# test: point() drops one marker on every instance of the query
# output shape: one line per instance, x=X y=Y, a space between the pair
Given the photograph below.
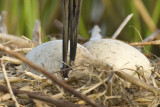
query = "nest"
x=101 y=84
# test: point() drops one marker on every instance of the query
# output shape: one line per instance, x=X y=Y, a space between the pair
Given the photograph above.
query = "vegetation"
x=108 y=14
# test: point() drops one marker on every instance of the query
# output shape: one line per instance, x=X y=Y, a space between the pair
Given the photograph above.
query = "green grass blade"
x=82 y=29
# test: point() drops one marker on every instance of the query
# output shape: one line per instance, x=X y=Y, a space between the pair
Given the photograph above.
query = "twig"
x=39 y=96
x=12 y=80
x=122 y=26
x=95 y=86
x=23 y=50
x=110 y=84
x=137 y=82
x=37 y=37
x=157 y=42
x=58 y=25
x=8 y=84
x=148 y=40
x=32 y=75
x=11 y=60
x=48 y=74
x=22 y=43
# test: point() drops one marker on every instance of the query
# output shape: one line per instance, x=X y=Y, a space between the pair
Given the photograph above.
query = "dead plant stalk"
x=8 y=84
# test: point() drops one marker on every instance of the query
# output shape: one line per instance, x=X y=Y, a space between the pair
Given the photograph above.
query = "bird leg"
x=65 y=15
x=71 y=13
x=75 y=8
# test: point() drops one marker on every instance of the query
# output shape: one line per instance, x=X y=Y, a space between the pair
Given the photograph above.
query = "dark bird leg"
x=71 y=13
x=75 y=8
x=65 y=14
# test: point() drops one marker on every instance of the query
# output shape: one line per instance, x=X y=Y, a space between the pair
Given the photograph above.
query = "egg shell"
x=120 y=55
x=49 y=56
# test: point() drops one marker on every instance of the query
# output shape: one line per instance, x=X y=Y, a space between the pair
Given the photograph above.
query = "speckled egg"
x=119 y=55
x=49 y=56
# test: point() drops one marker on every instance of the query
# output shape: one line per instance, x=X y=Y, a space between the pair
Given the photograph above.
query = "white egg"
x=49 y=56
x=120 y=55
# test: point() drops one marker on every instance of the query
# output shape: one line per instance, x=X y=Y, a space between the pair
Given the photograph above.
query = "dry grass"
x=101 y=84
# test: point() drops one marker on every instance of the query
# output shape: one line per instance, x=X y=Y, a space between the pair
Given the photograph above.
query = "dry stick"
x=48 y=74
x=156 y=42
x=148 y=40
x=137 y=82
x=39 y=96
x=58 y=103
x=11 y=80
x=110 y=84
x=22 y=43
x=122 y=26
x=11 y=60
x=95 y=86
x=23 y=50
x=58 y=25
x=36 y=36
x=8 y=84
x=145 y=15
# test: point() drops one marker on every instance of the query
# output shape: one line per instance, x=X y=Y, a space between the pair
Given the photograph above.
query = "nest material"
x=101 y=84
